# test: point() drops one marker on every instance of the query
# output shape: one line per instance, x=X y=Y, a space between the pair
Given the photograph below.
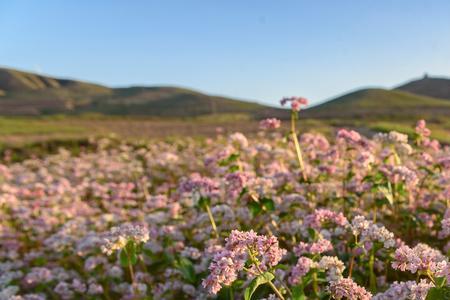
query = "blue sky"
x=257 y=50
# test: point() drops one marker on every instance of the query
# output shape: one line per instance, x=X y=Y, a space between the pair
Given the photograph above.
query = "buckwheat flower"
x=421 y=128
x=322 y=245
x=420 y=258
x=78 y=286
x=93 y=262
x=29 y=297
x=8 y=292
x=7 y=277
x=350 y=136
x=199 y=186
x=393 y=137
x=115 y=272
x=234 y=183
x=370 y=232
x=441 y=269
x=304 y=264
x=63 y=290
x=365 y=159
x=231 y=259
x=137 y=289
x=396 y=291
x=397 y=137
x=38 y=275
x=333 y=265
x=419 y=290
x=359 y=225
x=406 y=149
x=191 y=252
x=118 y=237
x=444 y=161
x=239 y=140
x=95 y=289
x=402 y=173
x=445 y=224
x=320 y=217
x=189 y=289
x=346 y=288
x=270 y=123
x=432 y=144
x=296 y=102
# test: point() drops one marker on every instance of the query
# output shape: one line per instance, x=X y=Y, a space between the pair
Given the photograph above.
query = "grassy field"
x=30 y=132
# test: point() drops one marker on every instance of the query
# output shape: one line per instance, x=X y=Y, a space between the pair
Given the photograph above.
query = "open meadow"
x=275 y=215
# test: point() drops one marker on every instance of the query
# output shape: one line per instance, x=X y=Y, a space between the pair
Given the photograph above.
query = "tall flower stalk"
x=296 y=104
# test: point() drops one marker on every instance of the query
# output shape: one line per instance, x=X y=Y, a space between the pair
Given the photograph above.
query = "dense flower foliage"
x=231 y=217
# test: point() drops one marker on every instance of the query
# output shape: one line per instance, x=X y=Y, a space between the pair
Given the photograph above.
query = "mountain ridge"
x=437 y=87
x=25 y=93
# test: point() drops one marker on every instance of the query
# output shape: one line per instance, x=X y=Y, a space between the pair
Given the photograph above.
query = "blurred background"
x=70 y=70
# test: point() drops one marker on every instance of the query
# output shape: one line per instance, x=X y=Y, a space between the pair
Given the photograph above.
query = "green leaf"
x=225 y=293
x=436 y=293
x=203 y=202
x=255 y=208
x=298 y=293
x=387 y=193
x=187 y=269
x=261 y=279
x=268 y=204
x=440 y=281
x=128 y=255
x=227 y=161
x=233 y=168
x=312 y=233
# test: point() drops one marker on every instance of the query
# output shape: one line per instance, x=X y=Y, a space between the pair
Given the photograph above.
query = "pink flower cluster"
x=318 y=247
x=407 y=290
x=350 y=136
x=239 y=248
x=420 y=258
x=304 y=264
x=322 y=217
x=270 y=123
x=421 y=129
x=346 y=288
x=199 y=186
x=296 y=102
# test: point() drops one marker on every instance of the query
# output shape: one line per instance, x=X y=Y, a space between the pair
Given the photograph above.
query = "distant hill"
x=24 y=93
x=428 y=86
x=380 y=104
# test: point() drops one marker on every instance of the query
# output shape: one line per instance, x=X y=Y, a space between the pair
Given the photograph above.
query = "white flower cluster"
x=118 y=237
x=333 y=266
x=370 y=232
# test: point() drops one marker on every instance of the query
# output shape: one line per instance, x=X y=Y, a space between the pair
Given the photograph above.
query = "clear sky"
x=257 y=50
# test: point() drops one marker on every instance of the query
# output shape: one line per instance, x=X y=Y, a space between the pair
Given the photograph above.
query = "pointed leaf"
x=256 y=282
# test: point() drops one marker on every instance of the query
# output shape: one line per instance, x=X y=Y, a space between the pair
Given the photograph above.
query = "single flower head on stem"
x=296 y=102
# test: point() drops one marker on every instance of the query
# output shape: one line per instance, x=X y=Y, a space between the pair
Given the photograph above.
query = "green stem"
x=130 y=269
x=211 y=219
x=315 y=283
x=372 y=279
x=272 y=286
x=297 y=146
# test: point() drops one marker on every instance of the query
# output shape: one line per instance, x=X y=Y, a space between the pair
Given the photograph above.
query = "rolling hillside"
x=428 y=86
x=23 y=93
x=381 y=104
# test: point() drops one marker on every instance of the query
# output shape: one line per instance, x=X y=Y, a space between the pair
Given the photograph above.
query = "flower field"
x=280 y=215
